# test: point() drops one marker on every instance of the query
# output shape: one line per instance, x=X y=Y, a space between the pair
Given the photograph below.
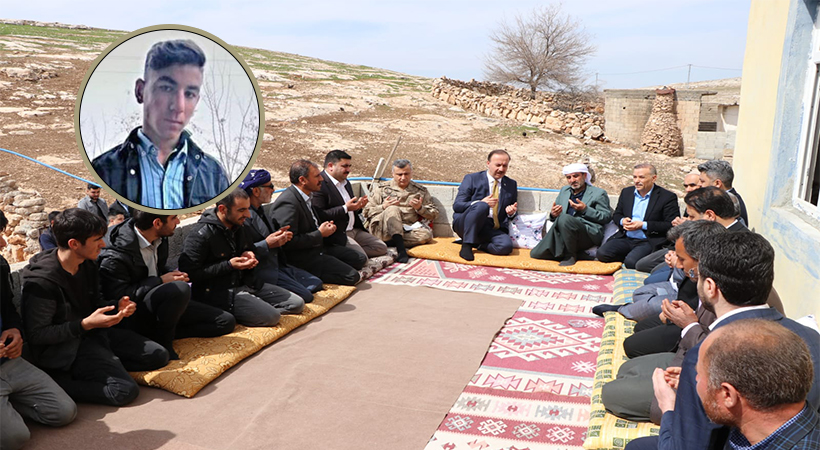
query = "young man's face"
x=168 y=227
x=169 y=98
x=90 y=249
x=313 y=181
x=240 y=211
x=339 y=170
x=93 y=194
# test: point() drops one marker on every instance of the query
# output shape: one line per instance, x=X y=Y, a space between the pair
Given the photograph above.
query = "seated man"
x=268 y=238
x=762 y=403
x=644 y=214
x=92 y=202
x=218 y=258
x=25 y=391
x=648 y=263
x=336 y=264
x=580 y=213
x=709 y=203
x=485 y=204
x=720 y=174
x=134 y=265
x=47 y=237
x=334 y=201
x=158 y=165
x=115 y=218
x=400 y=211
x=630 y=394
x=735 y=278
x=70 y=329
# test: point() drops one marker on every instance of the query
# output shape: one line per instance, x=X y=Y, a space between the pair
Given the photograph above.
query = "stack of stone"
x=661 y=133
x=506 y=102
x=24 y=210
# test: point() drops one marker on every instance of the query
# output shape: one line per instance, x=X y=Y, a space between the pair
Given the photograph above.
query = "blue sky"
x=443 y=37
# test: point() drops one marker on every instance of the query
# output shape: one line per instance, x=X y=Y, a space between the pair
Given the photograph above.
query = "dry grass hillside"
x=311 y=107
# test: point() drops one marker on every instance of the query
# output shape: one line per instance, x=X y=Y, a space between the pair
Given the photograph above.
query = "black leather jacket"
x=119 y=168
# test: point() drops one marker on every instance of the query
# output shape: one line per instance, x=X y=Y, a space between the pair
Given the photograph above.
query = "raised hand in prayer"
x=663 y=392
x=279 y=237
x=671 y=258
x=327 y=228
x=672 y=376
x=579 y=206
x=512 y=209
x=415 y=202
x=174 y=275
x=390 y=201
x=556 y=210
x=11 y=343
x=679 y=313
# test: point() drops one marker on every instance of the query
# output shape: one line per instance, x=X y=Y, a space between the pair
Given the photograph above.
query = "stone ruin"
x=507 y=102
x=25 y=211
x=661 y=133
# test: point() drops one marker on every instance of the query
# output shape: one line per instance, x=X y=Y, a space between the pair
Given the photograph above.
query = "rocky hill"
x=311 y=107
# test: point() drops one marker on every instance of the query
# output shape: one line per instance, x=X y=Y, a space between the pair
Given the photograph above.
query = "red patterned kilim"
x=557 y=292
x=532 y=389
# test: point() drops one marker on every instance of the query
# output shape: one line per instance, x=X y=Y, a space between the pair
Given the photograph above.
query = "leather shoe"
x=599 y=310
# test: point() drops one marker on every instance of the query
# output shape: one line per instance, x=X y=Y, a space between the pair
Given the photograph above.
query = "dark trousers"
x=264 y=306
x=624 y=249
x=643 y=443
x=166 y=313
x=649 y=262
x=661 y=272
x=565 y=239
x=99 y=373
x=336 y=265
x=652 y=336
x=474 y=227
x=300 y=282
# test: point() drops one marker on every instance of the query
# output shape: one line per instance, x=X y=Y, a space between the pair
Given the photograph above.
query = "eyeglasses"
x=269 y=186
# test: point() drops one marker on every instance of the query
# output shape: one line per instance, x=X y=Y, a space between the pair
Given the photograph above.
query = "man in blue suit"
x=485 y=204
x=736 y=271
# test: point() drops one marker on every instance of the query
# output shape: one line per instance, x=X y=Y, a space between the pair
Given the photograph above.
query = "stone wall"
x=24 y=210
x=506 y=102
x=627 y=111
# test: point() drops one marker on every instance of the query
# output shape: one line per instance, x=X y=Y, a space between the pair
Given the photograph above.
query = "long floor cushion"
x=607 y=431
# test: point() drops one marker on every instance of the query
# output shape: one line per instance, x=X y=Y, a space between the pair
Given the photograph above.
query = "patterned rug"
x=541 y=291
x=532 y=390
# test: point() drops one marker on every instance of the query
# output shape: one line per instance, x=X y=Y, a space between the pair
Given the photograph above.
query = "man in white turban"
x=580 y=213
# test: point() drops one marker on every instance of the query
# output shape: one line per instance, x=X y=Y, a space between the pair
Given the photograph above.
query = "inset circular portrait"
x=168 y=118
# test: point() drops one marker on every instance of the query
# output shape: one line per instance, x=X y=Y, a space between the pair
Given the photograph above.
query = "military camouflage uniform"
x=384 y=223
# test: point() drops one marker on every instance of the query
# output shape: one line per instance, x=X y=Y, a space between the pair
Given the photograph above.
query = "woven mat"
x=443 y=249
x=202 y=360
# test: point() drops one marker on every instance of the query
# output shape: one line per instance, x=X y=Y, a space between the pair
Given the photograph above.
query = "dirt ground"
x=311 y=107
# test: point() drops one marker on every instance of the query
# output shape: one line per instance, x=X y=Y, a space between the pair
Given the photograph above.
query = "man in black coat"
x=307 y=249
x=69 y=325
x=218 y=257
x=644 y=214
x=135 y=265
x=335 y=201
x=268 y=238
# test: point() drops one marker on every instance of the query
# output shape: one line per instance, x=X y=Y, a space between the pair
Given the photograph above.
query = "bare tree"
x=234 y=119
x=546 y=48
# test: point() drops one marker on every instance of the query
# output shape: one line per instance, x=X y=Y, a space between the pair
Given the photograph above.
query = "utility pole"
x=596 y=80
x=688 y=74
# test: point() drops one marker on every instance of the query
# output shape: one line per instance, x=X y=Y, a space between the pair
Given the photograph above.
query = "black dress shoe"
x=601 y=309
x=458 y=242
x=568 y=262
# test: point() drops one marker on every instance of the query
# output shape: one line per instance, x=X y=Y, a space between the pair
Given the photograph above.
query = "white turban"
x=576 y=168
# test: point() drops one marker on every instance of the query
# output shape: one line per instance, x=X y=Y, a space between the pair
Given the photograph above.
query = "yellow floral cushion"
x=202 y=360
x=607 y=431
x=443 y=249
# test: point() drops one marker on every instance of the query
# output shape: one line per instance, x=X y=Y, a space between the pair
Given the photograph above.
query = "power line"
x=717 y=68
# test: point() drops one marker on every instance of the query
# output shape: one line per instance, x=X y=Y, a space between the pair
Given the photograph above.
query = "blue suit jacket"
x=687 y=427
x=475 y=187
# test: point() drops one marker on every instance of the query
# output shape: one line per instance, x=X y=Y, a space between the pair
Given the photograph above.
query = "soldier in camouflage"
x=401 y=211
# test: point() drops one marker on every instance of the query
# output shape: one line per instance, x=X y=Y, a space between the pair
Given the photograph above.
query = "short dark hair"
x=767 y=363
x=51 y=216
x=229 y=200
x=710 y=197
x=91 y=186
x=179 y=51
x=335 y=156
x=145 y=220
x=498 y=152
x=402 y=163
x=696 y=234
x=79 y=224
x=3 y=221
x=676 y=232
x=718 y=169
x=652 y=169
x=741 y=265
x=299 y=169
